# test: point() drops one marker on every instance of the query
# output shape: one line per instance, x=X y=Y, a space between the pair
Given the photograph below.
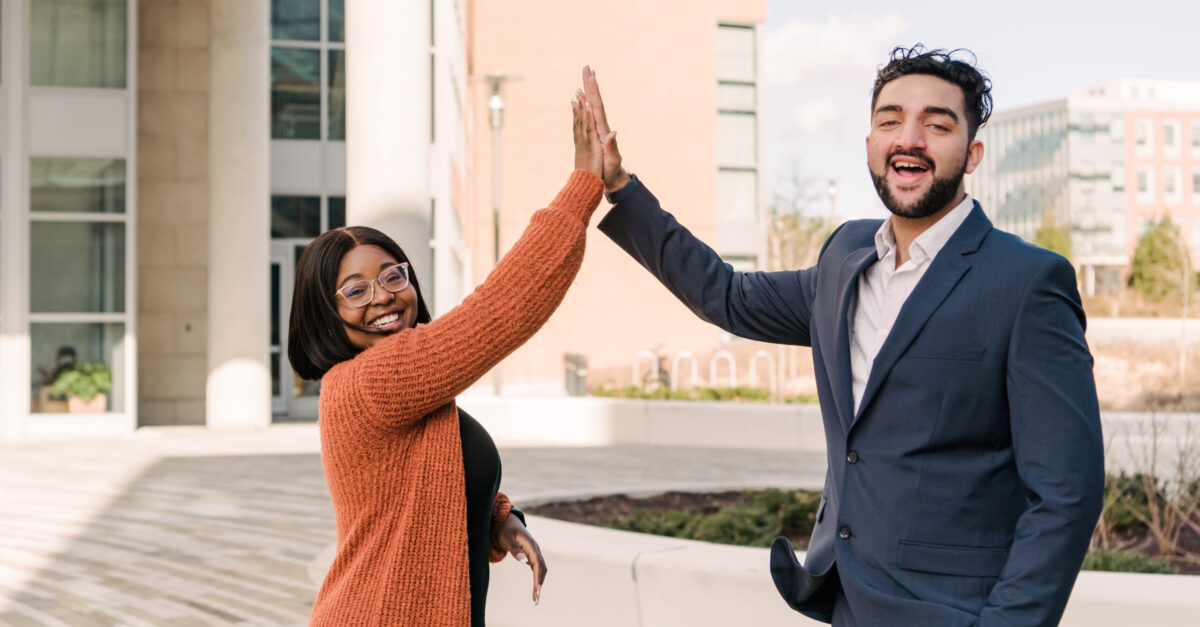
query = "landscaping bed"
x=755 y=518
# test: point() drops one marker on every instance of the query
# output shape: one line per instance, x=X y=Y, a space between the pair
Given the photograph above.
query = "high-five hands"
x=589 y=153
x=615 y=177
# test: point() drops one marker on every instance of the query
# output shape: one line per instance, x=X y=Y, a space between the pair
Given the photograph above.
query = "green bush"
x=1126 y=562
x=1127 y=502
x=675 y=523
x=771 y=513
x=84 y=381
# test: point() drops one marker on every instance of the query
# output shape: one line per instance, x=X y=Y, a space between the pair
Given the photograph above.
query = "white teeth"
x=385 y=320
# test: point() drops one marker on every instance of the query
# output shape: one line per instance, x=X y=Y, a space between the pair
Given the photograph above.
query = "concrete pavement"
x=185 y=526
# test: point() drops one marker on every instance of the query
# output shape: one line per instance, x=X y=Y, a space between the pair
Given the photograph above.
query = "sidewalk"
x=184 y=526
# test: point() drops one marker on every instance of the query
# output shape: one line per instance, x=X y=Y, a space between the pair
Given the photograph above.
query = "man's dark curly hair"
x=975 y=85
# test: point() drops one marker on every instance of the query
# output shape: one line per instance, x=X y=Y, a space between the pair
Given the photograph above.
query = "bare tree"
x=797 y=228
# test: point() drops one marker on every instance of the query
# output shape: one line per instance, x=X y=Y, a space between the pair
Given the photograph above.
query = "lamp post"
x=496 y=82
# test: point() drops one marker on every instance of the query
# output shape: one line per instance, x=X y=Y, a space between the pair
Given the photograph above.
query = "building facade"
x=164 y=161
x=1104 y=163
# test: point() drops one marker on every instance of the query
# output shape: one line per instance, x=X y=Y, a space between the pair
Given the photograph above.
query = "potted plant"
x=86 y=387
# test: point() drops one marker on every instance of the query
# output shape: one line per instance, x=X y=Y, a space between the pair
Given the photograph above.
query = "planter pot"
x=97 y=405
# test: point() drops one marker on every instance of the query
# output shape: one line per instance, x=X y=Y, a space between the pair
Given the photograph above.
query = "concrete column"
x=238 y=391
x=388 y=103
x=14 y=246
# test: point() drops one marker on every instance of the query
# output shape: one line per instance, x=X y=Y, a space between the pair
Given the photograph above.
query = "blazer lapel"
x=945 y=271
x=843 y=389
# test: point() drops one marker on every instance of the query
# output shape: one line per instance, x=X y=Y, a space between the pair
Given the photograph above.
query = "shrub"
x=1126 y=562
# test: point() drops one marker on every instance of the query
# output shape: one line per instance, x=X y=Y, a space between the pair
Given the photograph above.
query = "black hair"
x=975 y=84
x=317 y=340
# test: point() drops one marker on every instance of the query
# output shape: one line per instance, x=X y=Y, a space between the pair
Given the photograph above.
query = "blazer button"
x=844 y=532
x=852 y=457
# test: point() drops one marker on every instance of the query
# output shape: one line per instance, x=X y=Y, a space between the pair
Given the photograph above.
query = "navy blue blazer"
x=966 y=487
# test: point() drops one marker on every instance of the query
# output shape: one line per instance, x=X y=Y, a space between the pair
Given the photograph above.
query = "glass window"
x=337 y=95
x=77 y=44
x=735 y=53
x=337 y=212
x=1171 y=136
x=1196 y=139
x=1145 y=137
x=337 y=20
x=295 y=93
x=1196 y=185
x=86 y=359
x=295 y=216
x=77 y=267
x=736 y=97
x=737 y=144
x=296 y=20
x=1171 y=181
x=737 y=196
x=82 y=185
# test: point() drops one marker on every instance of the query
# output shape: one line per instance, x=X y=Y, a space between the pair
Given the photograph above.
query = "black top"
x=481 y=472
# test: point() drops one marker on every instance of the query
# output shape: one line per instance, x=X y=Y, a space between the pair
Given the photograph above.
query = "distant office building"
x=162 y=164
x=1104 y=162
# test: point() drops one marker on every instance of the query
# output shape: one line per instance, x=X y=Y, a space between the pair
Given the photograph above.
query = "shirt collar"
x=927 y=245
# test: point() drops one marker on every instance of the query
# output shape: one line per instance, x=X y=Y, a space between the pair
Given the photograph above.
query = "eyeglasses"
x=360 y=293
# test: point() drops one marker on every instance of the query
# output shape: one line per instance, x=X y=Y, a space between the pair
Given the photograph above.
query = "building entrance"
x=292 y=398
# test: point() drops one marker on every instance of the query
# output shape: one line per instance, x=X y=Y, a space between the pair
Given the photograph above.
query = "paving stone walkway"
x=184 y=526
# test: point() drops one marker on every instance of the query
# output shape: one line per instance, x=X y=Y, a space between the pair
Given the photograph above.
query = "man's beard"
x=941 y=192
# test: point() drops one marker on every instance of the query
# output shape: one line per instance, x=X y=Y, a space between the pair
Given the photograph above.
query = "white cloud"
x=818 y=115
x=834 y=52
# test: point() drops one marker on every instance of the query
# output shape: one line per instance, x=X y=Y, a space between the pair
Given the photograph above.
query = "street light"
x=496 y=82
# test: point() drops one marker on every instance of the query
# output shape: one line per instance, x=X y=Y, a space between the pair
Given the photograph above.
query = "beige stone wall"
x=172 y=227
x=656 y=63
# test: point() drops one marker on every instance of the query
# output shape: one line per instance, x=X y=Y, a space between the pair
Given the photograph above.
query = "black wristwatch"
x=619 y=195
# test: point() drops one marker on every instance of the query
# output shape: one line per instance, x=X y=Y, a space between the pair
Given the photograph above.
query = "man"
x=962 y=428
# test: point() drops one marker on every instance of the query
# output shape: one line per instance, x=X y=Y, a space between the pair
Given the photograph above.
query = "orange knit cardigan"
x=389 y=432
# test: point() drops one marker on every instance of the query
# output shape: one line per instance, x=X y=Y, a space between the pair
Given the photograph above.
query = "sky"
x=820 y=58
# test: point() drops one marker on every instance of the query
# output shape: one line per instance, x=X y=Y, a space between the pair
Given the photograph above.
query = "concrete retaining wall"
x=599 y=577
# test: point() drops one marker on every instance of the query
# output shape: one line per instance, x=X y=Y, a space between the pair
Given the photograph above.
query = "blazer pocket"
x=970 y=561
x=953 y=353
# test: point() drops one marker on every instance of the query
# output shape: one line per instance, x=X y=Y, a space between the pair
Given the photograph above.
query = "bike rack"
x=722 y=355
x=645 y=354
x=695 y=378
x=771 y=374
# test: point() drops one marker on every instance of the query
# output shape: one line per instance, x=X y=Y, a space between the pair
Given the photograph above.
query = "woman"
x=413 y=479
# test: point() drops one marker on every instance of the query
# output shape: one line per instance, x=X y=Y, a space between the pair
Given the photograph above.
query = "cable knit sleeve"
x=500 y=510
x=407 y=375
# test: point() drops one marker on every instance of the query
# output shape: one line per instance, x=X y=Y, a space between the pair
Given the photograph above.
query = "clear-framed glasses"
x=360 y=293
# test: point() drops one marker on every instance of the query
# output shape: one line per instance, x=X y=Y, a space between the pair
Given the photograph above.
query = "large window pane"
x=295 y=216
x=298 y=20
x=337 y=211
x=337 y=94
x=735 y=97
x=735 y=53
x=77 y=43
x=77 y=267
x=737 y=140
x=295 y=93
x=337 y=20
x=87 y=359
x=737 y=196
x=84 y=185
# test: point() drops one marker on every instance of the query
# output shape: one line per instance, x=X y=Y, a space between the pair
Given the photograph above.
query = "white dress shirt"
x=883 y=288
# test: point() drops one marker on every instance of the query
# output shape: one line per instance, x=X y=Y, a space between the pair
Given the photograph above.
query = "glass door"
x=292 y=398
